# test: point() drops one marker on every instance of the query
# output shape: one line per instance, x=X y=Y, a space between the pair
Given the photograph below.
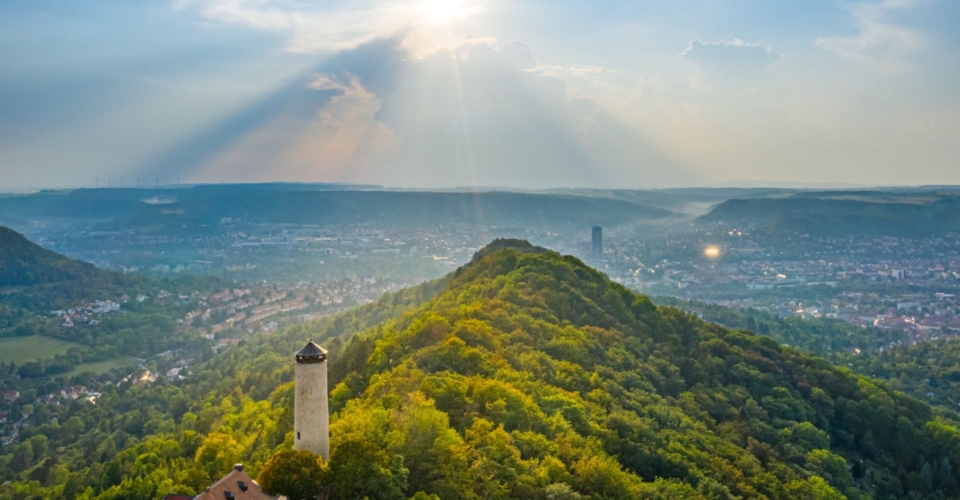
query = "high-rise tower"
x=597 y=242
x=311 y=415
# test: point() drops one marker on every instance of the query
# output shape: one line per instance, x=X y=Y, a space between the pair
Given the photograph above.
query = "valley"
x=549 y=359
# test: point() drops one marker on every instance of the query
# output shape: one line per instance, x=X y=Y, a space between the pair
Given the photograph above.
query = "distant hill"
x=108 y=203
x=401 y=209
x=840 y=213
x=523 y=375
x=207 y=205
x=23 y=263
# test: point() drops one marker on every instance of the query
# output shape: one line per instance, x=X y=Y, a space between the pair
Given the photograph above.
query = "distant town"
x=896 y=283
x=892 y=283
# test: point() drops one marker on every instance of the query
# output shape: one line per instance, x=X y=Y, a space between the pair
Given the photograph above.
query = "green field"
x=23 y=349
x=102 y=366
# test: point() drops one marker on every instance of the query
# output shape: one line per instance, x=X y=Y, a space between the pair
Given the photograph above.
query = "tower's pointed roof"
x=311 y=350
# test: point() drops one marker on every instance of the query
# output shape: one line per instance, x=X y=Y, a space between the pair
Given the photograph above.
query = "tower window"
x=298 y=435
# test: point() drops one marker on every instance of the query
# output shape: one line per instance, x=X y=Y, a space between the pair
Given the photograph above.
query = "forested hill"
x=34 y=281
x=525 y=374
x=201 y=207
x=839 y=214
x=23 y=263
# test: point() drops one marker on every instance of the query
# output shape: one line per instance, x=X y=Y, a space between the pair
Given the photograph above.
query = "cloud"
x=485 y=113
x=734 y=65
x=393 y=104
x=323 y=144
x=311 y=27
x=880 y=42
x=747 y=56
x=517 y=54
x=477 y=112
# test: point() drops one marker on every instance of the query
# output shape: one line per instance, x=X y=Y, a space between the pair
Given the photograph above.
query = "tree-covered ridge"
x=35 y=281
x=841 y=214
x=541 y=348
x=202 y=206
x=23 y=263
x=524 y=375
x=928 y=370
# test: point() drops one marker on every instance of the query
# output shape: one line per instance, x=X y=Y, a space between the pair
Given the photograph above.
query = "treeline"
x=61 y=363
x=841 y=214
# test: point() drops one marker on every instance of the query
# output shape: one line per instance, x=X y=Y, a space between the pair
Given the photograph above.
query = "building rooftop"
x=236 y=485
x=311 y=353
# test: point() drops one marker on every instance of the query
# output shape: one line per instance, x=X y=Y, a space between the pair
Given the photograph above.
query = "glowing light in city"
x=712 y=251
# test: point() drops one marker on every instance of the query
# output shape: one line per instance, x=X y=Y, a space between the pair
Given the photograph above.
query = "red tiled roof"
x=233 y=483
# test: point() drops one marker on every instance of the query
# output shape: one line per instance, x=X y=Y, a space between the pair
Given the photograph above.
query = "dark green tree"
x=297 y=475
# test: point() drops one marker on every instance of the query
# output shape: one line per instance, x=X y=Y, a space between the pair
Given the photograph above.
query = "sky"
x=432 y=93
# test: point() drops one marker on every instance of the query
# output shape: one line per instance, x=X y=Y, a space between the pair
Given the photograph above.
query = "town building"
x=597 y=242
x=236 y=485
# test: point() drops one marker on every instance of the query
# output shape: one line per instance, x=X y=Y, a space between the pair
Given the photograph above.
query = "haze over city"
x=528 y=94
x=480 y=249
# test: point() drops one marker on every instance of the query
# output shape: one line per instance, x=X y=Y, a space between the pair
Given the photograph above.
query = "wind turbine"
x=121 y=182
x=98 y=183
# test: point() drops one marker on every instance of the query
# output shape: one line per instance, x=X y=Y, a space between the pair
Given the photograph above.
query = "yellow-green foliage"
x=527 y=375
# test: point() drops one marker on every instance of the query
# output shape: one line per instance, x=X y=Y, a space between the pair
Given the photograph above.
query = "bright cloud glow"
x=441 y=11
x=530 y=93
x=335 y=26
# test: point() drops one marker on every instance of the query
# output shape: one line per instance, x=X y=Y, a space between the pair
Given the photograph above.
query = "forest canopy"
x=525 y=374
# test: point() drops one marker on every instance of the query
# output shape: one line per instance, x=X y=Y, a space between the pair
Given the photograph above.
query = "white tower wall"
x=311 y=424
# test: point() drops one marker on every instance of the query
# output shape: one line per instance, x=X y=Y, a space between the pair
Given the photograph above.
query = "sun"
x=441 y=11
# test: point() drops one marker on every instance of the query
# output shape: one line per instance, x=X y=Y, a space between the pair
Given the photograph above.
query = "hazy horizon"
x=745 y=184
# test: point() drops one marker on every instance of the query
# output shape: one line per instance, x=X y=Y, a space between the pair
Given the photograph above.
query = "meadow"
x=23 y=349
x=99 y=367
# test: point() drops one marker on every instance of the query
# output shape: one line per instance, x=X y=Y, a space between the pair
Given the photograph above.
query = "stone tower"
x=311 y=424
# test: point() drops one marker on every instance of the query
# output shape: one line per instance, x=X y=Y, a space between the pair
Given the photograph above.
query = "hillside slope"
x=525 y=374
x=35 y=281
x=846 y=213
x=23 y=263
x=549 y=363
